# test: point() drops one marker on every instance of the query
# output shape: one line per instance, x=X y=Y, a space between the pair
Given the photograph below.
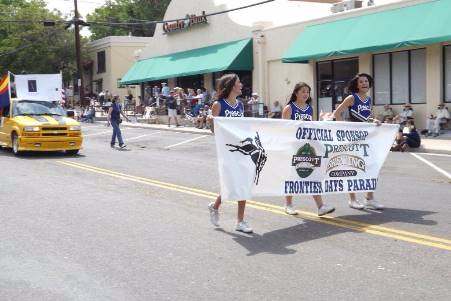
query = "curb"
x=423 y=149
x=174 y=129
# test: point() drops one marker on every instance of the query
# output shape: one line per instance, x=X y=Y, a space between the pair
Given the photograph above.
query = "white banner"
x=39 y=86
x=274 y=157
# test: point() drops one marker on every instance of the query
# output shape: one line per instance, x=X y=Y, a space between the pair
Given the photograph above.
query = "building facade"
x=409 y=59
x=109 y=59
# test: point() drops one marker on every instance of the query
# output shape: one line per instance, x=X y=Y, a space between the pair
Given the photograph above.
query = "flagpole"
x=9 y=86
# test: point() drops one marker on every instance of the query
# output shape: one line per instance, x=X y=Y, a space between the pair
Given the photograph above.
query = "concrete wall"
x=281 y=77
x=120 y=55
x=220 y=29
x=272 y=79
x=434 y=83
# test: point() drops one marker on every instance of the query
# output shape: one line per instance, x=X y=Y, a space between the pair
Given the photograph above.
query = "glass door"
x=332 y=79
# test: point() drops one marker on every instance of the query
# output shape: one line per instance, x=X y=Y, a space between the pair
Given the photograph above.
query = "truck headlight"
x=31 y=129
x=75 y=128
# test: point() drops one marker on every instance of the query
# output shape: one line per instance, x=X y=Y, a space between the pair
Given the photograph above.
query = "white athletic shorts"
x=172 y=112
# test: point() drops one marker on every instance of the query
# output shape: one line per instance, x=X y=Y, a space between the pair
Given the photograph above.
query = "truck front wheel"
x=72 y=152
x=15 y=144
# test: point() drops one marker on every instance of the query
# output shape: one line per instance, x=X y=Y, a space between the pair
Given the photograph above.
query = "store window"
x=418 y=76
x=447 y=72
x=400 y=77
x=194 y=82
x=382 y=78
x=99 y=85
x=245 y=78
x=101 y=68
x=332 y=79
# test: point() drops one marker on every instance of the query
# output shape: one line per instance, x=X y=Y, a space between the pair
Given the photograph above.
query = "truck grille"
x=54 y=128
x=53 y=134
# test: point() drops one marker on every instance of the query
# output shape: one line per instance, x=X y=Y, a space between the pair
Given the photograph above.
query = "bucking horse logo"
x=256 y=151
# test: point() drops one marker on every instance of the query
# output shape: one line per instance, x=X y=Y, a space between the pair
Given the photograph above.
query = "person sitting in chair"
x=89 y=114
x=433 y=122
x=406 y=114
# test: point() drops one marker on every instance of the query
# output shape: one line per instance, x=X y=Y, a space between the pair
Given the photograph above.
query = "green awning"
x=235 y=55
x=416 y=25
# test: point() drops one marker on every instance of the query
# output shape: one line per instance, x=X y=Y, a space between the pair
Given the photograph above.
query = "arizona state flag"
x=4 y=91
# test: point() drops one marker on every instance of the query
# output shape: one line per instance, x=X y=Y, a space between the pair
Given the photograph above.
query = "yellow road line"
x=363 y=225
x=335 y=221
x=110 y=172
x=305 y=213
x=134 y=179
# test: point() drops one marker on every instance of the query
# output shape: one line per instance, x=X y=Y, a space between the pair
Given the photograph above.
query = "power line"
x=48 y=34
x=141 y=22
x=180 y=19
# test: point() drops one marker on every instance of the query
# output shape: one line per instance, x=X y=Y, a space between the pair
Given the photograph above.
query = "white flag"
x=273 y=157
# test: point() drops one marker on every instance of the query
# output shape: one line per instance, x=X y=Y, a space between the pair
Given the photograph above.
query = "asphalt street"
x=133 y=224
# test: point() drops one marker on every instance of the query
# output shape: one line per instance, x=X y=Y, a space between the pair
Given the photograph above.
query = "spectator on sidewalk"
x=101 y=97
x=433 y=122
x=199 y=97
x=205 y=97
x=253 y=102
x=108 y=95
x=387 y=113
x=171 y=104
x=88 y=115
x=165 y=91
x=276 y=110
x=407 y=138
x=155 y=91
x=191 y=100
x=201 y=119
x=406 y=114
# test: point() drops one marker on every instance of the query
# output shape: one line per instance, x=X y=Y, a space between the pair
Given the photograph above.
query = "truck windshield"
x=36 y=107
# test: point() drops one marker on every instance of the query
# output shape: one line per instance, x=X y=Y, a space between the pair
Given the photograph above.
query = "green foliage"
x=31 y=47
x=127 y=11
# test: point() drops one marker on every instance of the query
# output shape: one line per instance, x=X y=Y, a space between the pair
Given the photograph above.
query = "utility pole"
x=81 y=90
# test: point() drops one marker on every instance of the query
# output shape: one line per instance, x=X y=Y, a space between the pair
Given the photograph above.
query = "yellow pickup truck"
x=38 y=125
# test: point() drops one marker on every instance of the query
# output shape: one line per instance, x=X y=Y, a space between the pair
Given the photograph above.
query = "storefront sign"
x=185 y=24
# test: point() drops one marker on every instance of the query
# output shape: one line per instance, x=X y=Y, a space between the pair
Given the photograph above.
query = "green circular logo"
x=304 y=166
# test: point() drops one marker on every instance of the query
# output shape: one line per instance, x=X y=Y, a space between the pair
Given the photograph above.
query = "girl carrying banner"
x=359 y=106
x=298 y=108
x=228 y=89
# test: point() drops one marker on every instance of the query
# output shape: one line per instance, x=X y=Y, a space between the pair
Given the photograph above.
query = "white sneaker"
x=214 y=214
x=356 y=205
x=325 y=209
x=243 y=227
x=373 y=204
x=290 y=210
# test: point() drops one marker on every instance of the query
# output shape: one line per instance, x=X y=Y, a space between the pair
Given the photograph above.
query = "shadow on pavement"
x=38 y=155
x=279 y=241
x=408 y=216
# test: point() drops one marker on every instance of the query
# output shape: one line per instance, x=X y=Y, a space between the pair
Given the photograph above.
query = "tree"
x=31 y=47
x=127 y=11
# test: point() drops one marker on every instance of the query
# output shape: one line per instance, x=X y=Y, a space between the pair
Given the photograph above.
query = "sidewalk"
x=441 y=144
x=164 y=127
x=435 y=145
